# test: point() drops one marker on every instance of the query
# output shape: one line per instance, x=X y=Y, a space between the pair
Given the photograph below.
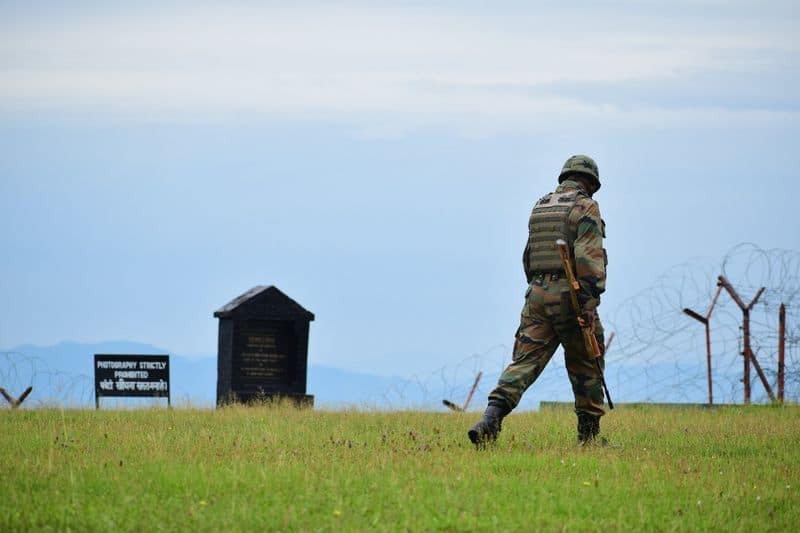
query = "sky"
x=375 y=161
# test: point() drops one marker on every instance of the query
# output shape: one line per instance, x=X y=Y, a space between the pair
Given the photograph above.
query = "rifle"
x=589 y=340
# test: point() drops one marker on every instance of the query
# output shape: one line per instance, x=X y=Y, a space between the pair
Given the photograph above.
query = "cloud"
x=396 y=67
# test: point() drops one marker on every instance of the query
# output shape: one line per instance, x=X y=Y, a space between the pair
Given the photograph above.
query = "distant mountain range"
x=63 y=375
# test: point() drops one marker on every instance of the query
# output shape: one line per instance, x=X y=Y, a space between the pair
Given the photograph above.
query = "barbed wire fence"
x=654 y=331
x=20 y=370
x=658 y=353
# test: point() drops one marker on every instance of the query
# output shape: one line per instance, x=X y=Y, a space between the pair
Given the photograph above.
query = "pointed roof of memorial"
x=264 y=301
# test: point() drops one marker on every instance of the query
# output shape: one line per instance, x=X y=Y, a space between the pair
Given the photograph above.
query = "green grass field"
x=278 y=468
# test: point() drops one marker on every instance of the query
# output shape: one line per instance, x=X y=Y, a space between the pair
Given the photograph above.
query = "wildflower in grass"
x=337 y=513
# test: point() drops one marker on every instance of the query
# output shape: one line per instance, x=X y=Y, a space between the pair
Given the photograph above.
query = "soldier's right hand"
x=586 y=318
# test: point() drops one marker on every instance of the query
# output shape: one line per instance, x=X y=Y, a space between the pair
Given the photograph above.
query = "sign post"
x=131 y=376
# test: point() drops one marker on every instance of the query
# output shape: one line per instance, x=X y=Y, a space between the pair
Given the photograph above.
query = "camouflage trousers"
x=548 y=321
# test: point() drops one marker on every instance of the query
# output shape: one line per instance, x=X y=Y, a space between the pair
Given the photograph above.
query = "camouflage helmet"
x=582 y=164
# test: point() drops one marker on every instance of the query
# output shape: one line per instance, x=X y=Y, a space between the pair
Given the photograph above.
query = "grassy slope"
x=279 y=468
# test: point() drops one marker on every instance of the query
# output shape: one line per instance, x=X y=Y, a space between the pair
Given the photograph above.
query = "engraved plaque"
x=263 y=352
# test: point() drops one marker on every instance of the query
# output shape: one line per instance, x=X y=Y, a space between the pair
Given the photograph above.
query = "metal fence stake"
x=705 y=320
x=15 y=403
x=747 y=351
x=781 y=350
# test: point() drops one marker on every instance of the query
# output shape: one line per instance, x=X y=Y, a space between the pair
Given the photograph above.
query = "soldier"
x=547 y=318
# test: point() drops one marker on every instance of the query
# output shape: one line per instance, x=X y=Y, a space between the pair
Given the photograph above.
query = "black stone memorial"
x=263 y=348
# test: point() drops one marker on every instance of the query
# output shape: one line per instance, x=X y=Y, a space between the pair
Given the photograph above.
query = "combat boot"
x=487 y=428
x=588 y=428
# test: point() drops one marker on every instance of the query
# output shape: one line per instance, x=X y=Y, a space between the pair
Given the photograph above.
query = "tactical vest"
x=549 y=222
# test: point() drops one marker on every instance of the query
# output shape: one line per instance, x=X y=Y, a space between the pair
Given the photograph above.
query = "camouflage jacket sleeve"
x=589 y=254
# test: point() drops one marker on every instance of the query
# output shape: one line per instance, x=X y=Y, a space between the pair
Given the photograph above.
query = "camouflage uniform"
x=548 y=319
